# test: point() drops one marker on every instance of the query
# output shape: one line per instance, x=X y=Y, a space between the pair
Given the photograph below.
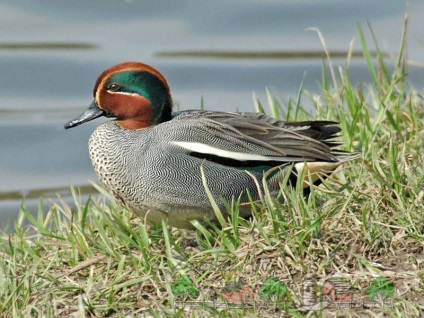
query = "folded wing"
x=250 y=139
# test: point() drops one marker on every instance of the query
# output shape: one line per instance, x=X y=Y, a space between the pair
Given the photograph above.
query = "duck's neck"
x=166 y=111
x=146 y=119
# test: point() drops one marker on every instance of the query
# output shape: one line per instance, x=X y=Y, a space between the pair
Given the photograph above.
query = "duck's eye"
x=113 y=87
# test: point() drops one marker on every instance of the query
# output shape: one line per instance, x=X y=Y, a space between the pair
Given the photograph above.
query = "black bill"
x=92 y=112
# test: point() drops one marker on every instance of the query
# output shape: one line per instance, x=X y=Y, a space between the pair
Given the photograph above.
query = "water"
x=51 y=53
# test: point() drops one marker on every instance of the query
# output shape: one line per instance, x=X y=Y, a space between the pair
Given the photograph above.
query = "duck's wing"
x=255 y=139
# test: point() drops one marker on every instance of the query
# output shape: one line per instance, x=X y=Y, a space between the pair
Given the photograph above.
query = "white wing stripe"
x=202 y=148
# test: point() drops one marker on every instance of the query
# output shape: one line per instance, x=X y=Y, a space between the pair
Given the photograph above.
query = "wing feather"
x=254 y=138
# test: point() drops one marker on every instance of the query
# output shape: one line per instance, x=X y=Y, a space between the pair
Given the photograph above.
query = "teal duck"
x=154 y=161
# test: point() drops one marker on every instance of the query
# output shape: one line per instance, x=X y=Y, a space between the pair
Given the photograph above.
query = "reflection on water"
x=291 y=55
x=52 y=53
x=46 y=46
x=36 y=194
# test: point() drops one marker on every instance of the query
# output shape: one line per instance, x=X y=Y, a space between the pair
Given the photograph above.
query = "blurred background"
x=51 y=53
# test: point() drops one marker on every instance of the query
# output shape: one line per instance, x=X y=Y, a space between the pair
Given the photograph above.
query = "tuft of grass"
x=366 y=223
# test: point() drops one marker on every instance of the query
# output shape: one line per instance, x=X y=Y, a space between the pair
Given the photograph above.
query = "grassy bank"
x=357 y=241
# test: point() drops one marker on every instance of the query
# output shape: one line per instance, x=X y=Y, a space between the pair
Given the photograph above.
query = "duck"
x=164 y=164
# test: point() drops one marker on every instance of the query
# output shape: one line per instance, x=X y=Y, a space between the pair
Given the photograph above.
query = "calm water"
x=51 y=52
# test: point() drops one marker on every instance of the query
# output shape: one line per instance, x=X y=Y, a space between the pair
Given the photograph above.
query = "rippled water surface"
x=51 y=52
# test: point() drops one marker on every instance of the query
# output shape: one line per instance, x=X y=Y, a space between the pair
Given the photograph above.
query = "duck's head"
x=135 y=94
